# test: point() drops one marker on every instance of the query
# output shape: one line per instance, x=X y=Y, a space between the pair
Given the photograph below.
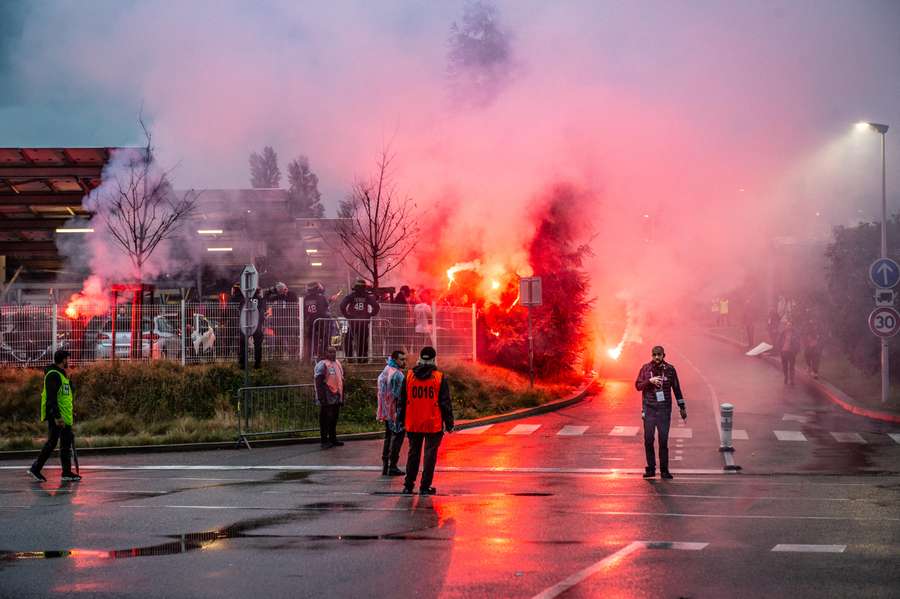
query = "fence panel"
x=205 y=332
x=281 y=409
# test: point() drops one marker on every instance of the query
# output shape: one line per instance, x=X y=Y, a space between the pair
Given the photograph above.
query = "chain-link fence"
x=203 y=332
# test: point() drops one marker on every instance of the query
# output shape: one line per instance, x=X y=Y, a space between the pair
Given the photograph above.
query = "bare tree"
x=140 y=208
x=380 y=227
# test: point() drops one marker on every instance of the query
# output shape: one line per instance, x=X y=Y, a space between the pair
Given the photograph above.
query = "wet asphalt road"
x=547 y=506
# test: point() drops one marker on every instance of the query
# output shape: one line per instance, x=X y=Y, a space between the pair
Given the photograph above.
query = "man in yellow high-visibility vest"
x=57 y=400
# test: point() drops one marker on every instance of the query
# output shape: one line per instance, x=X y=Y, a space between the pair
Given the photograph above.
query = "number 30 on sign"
x=884 y=322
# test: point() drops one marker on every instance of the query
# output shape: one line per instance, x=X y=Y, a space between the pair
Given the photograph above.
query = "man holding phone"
x=657 y=381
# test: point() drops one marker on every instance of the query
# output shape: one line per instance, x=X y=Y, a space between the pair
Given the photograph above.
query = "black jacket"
x=54 y=382
x=422 y=372
x=648 y=390
x=359 y=304
x=273 y=297
x=315 y=305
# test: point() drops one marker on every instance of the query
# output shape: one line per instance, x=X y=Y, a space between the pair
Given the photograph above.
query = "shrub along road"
x=542 y=507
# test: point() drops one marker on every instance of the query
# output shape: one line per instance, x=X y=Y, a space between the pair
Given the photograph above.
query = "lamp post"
x=885 y=357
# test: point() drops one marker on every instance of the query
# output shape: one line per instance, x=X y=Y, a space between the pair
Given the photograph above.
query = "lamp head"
x=879 y=127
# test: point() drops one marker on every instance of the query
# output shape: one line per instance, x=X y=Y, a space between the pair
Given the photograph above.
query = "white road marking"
x=713 y=396
x=789 y=436
x=610 y=561
x=571 y=430
x=739 y=434
x=623 y=431
x=677 y=458
x=795 y=418
x=681 y=433
x=523 y=429
x=848 y=437
x=810 y=548
x=895 y=437
x=679 y=451
x=737 y=516
x=475 y=430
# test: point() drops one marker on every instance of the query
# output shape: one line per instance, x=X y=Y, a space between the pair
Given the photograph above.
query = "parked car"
x=159 y=339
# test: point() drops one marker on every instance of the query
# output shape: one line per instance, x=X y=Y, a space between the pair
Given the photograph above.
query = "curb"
x=822 y=388
x=576 y=397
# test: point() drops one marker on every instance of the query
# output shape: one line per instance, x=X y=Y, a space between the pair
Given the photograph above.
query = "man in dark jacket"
x=359 y=307
x=426 y=410
x=284 y=319
x=315 y=307
x=258 y=302
x=656 y=381
x=57 y=406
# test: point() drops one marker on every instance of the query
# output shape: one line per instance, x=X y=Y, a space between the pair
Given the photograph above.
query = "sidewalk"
x=821 y=387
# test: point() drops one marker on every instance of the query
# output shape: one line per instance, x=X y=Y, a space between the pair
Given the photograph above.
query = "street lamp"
x=882 y=129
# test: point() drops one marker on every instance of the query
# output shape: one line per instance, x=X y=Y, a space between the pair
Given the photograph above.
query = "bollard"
x=727 y=412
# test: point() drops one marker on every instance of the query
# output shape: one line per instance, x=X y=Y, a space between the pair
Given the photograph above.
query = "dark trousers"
x=788 y=364
x=55 y=433
x=432 y=441
x=390 y=453
x=257 y=349
x=813 y=358
x=657 y=419
x=328 y=417
x=357 y=343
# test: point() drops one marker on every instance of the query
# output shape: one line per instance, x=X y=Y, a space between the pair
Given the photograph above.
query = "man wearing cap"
x=57 y=399
x=315 y=307
x=359 y=307
x=426 y=411
x=656 y=381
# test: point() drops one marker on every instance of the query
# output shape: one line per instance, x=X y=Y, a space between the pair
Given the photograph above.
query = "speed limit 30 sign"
x=884 y=321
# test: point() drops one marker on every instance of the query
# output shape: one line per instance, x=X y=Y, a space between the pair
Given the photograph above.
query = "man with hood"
x=315 y=307
x=657 y=381
x=390 y=387
x=426 y=411
x=359 y=307
x=57 y=406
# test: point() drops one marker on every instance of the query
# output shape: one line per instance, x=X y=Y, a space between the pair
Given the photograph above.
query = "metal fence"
x=203 y=332
x=280 y=409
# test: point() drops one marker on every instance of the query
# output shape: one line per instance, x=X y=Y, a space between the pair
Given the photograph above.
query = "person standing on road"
x=390 y=387
x=359 y=307
x=789 y=345
x=329 y=381
x=812 y=350
x=426 y=411
x=657 y=381
x=57 y=408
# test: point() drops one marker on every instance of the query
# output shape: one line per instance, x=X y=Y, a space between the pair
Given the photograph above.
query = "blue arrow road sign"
x=884 y=273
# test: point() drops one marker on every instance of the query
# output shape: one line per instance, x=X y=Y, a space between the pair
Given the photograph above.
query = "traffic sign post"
x=884 y=273
x=249 y=314
x=530 y=294
x=884 y=322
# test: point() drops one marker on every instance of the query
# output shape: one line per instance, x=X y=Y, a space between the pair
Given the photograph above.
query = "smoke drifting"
x=694 y=132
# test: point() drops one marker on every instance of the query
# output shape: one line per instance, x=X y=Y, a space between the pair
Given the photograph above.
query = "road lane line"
x=623 y=431
x=713 y=396
x=681 y=433
x=611 y=560
x=789 y=436
x=895 y=437
x=737 y=516
x=475 y=430
x=848 y=437
x=607 y=562
x=523 y=429
x=809 y=548
x=571 y=431
x=795 y=418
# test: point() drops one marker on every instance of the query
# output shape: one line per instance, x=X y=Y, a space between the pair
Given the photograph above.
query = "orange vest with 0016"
x=423 y=415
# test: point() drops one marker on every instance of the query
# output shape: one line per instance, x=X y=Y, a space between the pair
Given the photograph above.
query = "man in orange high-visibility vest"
x=426 y=412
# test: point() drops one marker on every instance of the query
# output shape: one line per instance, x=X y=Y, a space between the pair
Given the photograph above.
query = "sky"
x=725 y=123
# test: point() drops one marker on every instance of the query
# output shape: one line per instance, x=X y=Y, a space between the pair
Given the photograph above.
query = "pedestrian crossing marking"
x=809 y=548
x=475 y=430
x=523 y=429
x=895 y=437
x=681 y=433
x=739 y=434
x=571 y=430
x=848 y=437
x=795 y=418
x=789 y=436
x=623 y=431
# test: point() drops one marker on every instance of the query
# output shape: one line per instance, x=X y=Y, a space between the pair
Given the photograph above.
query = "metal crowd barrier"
x=276 y=410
